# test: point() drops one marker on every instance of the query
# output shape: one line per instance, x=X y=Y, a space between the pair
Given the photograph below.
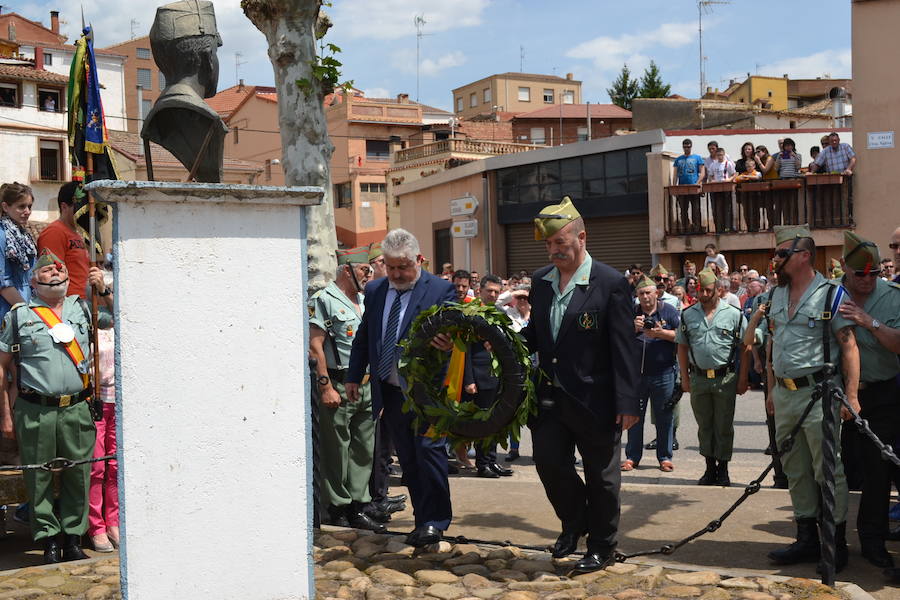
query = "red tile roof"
x=577 y=111
x=132 y=147
x=230 y=99
x=30 y=74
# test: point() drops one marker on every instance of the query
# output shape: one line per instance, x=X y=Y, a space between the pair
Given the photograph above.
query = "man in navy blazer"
x=582 y=330
x=391 y=304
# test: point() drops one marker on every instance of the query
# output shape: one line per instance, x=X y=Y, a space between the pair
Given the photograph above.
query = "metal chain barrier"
x=56 y=464
x=750 y=489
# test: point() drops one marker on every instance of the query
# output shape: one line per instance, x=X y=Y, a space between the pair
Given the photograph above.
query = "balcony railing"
x=459 y=146
x=822 y=200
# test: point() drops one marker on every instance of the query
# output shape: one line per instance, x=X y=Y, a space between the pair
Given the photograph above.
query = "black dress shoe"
x=876 y=554
x=511 y=455
x=72 y=548
x=360 y=520
x=594 y=561
x=51 y=551
x=675 y=444
x=397 y=498
x=565 y=544
x=501 y=471
x=650 y=445
x=424 y=536
x=488 y=473
x=337 y=516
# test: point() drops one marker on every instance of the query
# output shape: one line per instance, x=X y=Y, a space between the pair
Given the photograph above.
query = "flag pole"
x=92 y=226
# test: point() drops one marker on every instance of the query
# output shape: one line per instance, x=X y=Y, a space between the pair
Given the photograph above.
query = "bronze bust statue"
x=184 y=40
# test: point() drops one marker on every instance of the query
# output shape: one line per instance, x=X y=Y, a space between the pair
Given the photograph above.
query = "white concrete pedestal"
x=212 y=390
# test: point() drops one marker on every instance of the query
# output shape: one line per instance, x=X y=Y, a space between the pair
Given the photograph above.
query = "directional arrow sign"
x=463 y=207
x=464 y=229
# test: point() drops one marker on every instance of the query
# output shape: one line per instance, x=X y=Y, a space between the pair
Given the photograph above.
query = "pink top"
x=106 y=340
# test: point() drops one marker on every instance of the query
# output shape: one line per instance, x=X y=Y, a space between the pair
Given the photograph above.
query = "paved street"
x=663 y=507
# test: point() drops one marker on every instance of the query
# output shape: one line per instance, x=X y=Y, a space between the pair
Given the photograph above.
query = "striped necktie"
x=389 y=341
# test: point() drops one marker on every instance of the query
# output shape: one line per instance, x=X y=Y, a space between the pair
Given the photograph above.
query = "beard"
x=409 y=284
x=53 y=290
x=784 y=278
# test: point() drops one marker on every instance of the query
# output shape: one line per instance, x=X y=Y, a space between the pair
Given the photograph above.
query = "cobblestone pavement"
x=94 y=579
x=353 y=565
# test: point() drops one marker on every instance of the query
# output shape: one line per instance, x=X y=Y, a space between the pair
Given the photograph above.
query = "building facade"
x=143 y=81
x=514 y=93
x=569 y=123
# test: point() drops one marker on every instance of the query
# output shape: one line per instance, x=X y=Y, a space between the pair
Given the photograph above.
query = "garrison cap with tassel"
x=554 y=217
x=787 y=233
x=359 y=255
x=860 y=254
x=706 y=277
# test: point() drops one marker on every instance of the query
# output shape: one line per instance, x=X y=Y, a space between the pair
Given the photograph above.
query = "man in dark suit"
x=391 y=304
x=581 y=329
x=480 y=386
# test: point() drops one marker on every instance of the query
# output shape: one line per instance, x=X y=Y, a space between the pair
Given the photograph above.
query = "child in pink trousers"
x=103 y=516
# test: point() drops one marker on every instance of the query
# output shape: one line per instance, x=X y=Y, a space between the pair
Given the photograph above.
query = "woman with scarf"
x=16 y=245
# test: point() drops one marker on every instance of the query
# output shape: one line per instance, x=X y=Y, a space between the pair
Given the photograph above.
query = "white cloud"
x=377 y=92
x=405 y=60
x=834 y=63
x=610 y=53
x=392 y=19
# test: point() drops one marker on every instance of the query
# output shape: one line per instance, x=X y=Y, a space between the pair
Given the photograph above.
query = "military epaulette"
x=17 y=305
x=894 y=285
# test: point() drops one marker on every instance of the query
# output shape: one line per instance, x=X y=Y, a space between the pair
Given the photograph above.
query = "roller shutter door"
x=616 y=241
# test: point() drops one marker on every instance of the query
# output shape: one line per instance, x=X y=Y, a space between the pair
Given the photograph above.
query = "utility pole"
x=134 y=24
x=419 y=22
x=521 y=59
x=704 y=6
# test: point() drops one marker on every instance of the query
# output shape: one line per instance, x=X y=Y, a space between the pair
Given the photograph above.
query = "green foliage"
x=652 y=85
x=624 y=89
x=325 y=72
x=422 y=364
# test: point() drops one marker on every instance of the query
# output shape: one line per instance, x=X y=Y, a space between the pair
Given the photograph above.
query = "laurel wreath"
x=424 y=366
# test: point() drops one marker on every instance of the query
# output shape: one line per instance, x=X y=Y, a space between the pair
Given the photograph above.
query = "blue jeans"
x=656 y=391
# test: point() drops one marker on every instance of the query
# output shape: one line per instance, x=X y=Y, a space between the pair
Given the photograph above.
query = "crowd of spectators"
x=755 y=163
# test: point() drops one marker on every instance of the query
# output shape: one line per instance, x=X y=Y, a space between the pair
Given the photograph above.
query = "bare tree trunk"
x=291 y=28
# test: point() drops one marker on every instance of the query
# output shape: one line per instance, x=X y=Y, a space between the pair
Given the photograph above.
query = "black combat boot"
x=711 y=475
x=72 y=548
x=722 y=477
x=805 y=549
x=51 y=550
x=337 y=516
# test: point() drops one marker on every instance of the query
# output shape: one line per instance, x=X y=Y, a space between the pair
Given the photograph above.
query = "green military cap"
x=184 y=19
x=645 y=282
x=554 y=217
x=859 y=253
x=47 y=258
x=786 y=233
x=374 y=251
x=658 y=270
x=358 y=255
x=706 y=277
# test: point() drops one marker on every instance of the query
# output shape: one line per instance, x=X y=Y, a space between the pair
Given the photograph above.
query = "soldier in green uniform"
x=376 y=260
x=874 y=307
x=708 y=340
x=45 y=348
x=346 y=429
x=756 y=340
x=807 y=333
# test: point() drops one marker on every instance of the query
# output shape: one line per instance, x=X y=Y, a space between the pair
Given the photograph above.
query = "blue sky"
x=468 y=39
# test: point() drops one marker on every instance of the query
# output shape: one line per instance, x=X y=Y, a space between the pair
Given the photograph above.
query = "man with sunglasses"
x=874 y=307
x=346 y=429
x=808 y=332
x=660 y=276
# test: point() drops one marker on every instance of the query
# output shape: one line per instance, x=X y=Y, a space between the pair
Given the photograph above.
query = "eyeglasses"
x=785 y=252
x=893 y=246
x=744 y=269
x=872 y=274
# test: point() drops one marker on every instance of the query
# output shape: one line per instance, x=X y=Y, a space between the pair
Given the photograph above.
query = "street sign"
x=881 y=139
x=464 y=229
x=463 y=207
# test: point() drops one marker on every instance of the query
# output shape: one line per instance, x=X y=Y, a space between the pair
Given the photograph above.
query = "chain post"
x=829 y=457
x=314 y=413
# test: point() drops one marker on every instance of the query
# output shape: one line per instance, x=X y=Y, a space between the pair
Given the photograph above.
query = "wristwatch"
x=876 y=324
x=105 y=292
x=323 y=380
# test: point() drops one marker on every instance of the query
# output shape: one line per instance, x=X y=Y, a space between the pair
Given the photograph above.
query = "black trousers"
x=378 y=481
x=880 y=405
x=483 y=399
x=590 y=505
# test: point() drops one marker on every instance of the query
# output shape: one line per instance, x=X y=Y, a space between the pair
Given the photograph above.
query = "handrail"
x=462 y=146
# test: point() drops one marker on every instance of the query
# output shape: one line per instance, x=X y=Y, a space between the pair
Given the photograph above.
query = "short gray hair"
x=399 y=243
x=723 y=282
